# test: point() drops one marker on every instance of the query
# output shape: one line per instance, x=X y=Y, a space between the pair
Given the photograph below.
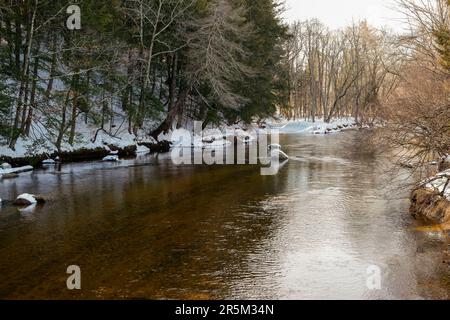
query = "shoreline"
x=85 y=154
x=431 y=200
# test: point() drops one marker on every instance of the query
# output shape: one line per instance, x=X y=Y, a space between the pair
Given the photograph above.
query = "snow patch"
x=318 y=127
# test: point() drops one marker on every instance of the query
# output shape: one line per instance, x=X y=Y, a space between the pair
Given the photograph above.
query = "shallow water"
x=146 y=228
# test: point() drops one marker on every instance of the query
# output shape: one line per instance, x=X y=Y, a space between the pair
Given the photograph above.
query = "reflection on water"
x=146 y=228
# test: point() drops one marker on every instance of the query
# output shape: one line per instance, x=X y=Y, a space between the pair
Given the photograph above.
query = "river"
x=146 y=228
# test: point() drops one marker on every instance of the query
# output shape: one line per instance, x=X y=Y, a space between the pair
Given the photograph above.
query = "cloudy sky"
x=338 y=13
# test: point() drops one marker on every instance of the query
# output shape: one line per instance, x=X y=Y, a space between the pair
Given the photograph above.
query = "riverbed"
x=148 y=229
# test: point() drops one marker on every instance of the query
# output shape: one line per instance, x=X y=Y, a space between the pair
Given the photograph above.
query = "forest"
x=140 y=65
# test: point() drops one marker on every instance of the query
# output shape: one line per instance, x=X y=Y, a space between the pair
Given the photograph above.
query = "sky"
x=339 y=13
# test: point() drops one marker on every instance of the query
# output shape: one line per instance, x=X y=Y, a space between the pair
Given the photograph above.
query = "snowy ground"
x=40 y=143
x=318 y=127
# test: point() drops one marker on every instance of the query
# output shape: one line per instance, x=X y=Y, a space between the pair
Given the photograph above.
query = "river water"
x=146 y=228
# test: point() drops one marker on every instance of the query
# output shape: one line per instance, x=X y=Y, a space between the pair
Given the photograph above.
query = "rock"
x=111 y=158
x=430 y=206
x=27 y=199
x=22 y=202
x=49 y=162
x=9 y=176
x=5 y=166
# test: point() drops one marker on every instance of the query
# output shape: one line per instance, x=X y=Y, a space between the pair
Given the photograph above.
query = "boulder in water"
x=27 y=199
x=5 y=166
x=111 y=158
x=49 y=162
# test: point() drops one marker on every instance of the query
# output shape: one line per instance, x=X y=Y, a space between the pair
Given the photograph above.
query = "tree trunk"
x=24 y=79
x=62 y=127
x=178 y=108
x=73 y=121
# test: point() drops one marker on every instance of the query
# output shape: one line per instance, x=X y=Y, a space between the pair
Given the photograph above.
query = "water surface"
x=146 y=228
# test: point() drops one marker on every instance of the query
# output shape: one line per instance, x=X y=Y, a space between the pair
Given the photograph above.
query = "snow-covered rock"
x=5 y=166
x=111 y=158
x=27 y=199
x=48 y=162
x=439 y=182
x=142 y=149
x=15 y=170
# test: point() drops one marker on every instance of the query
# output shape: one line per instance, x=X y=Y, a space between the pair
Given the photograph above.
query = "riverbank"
x=84 y=154
x=93 y=144
x=431 y=200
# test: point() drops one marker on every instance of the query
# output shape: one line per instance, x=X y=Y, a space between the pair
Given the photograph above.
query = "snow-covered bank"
x=304 y=126
x=95 y=144
x=39 y=152
x=16 y=170
x=432 y=200
x=87 y=139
